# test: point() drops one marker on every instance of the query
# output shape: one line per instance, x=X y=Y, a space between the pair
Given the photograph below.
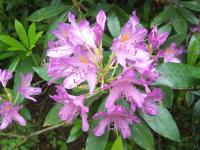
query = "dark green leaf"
x=161 y=17
x=26 y=113
x=142 y=136
x=106 y=41
x=178 y=76
x=193 y=49
x=193 y=5
x=197 y=109
x=118 y=144
x=21 y=32
x=75 y=132
x=47 y=12
x=180 y=26
x=168 y=96
x=113 y=24
x=163 y=124
x=188 y=15
x=177 y=38
x=93 y=142
x=52 y=116
x=121 y=14
x=189 y=97
x=14 y=64
x=166 y=28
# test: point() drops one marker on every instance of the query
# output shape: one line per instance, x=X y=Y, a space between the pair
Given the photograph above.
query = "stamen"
x=125 y=37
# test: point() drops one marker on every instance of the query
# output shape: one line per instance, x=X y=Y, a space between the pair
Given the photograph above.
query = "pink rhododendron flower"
x=5 y=75
x=119 y=117
x=99 y=26
x=73 y=105
x=72 y=56
x=171 y=54
x=155 y=40
x=25 y=88
x=8 y=113
x=129 y=45
x=123 y=87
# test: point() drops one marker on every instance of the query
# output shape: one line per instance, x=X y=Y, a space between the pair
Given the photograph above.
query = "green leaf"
x=180 y=26
x=163 y=16
x=93 y=142
x=163 y=124
x=189 y=97
x=178 y=75
x=121 y=14
x=42 y=73
x=14 y=64
x=21 y=32
x=31 y=34
x=12 y=42
x=6 y=54
x=118 y=144
x=106 y=41
x=52 y=116
x=168 y=96
x=177 y=38
x=193 y=49
x=166 y=28
x=142 y=136
x=113 y=24
x=47 y=12
x=26 y=113
x=188 y=15
x=197 y=109
x=193 y=5
x=75 y=132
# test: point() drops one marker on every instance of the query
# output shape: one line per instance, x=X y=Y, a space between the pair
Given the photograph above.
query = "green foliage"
x=163 y=124
x=52 y=116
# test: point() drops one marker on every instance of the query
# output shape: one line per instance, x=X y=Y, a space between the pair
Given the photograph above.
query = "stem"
x=113 y=73
x=16 y=98
x=31 y=135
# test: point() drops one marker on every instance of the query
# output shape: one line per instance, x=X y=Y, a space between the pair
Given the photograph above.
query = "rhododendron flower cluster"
x=8 y=104
x=76 y=55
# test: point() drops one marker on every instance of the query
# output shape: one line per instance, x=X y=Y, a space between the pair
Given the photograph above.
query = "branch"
x=26 y=137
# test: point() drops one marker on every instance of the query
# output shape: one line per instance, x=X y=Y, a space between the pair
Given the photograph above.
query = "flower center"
x=125 y=37
x=7 y=108
x=83 y=59
x=169 y=51
x=64 y=32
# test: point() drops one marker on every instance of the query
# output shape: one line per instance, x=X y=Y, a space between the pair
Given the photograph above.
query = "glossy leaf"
x=12 y=42
x=178 y=75
x=52 y=116
x=47 y=12
x=193 y=49
x=142 y=136
x=161 y=17
x=177 y=38
x=166 y=28
x=188 y=15
x=14 y=64
x=180 y=26
x=163 y=124
x=193 y=5
x=168 y=96
x=21 y=32
x=75 y=132
x=113 y=24
x=118 y=144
